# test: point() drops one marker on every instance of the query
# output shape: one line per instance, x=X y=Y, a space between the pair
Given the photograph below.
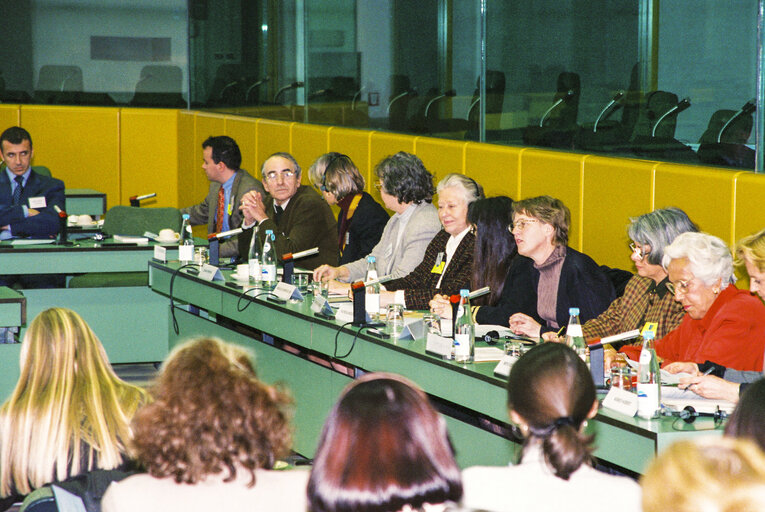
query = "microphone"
x=379 y=280
x=253 y=86
x=293 y=85
x=356 y=95
x=320 y=92
x=689 y=414
x=230 y=84
x=569 y=94
x=136 y=200
x=681 y=105
x=480 y=292
x=225 y=234
x=749 y=107
x=289 y=262
x=410 y=92
x=473 y=105
x=450 y=94
x=63 y=239
x=619 y=95
x=66 y=78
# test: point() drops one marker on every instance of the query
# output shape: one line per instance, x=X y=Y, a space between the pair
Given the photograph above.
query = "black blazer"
x=365 y=229
x=582 y=284
x=46 y=223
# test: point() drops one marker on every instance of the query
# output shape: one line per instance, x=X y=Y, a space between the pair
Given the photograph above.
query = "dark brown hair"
x=211 y=414
x=748 y=420
x=550 y=211
x=551 y=388
x=383 y=447
x=494 y=245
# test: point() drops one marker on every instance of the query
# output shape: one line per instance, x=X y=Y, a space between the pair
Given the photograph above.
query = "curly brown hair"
x=210 y=414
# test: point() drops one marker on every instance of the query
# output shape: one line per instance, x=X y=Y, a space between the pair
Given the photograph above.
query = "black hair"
x=494 y=245
x=224 y=149
x=405 y=177
x=15 y=135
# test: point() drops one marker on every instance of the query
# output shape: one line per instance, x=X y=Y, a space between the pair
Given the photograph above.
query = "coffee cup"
x=242 y=272
x=167 y=235
x=84 y=220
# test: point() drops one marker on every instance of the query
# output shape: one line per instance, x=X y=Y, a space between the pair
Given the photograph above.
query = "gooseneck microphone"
x=568 y=96
x=293 y=85
x=681 y=105
x=618 y=96
x=446 y=94
x=255 y=85
x=749 y=107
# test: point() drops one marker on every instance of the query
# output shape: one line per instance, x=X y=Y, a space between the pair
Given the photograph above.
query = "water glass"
x=301 y=282
x=514 y=348
x=201 y=256
x=394 y=320
x=432 y=322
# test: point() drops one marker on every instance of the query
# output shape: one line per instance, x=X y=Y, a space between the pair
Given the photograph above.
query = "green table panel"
x=84 y=201
x=12 y=308
x=9 y=368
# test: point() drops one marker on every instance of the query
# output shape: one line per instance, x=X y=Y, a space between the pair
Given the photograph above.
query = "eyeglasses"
x=521 y=224
x=284 y=173
x=638 y=251
x=680 y=286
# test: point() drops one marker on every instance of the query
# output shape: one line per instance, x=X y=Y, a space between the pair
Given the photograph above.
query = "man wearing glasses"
x=228 y=184
x=298 y=216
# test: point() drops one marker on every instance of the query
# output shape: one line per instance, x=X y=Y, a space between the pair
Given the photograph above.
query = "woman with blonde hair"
x=715 y=474
x=69 y=413
x=211 y=438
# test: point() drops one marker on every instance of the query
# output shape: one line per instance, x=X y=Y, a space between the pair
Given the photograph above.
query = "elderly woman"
x=384 y=448
x=722 y=324
x=549 y=277
x=361 y=220
x=448 y=262
x=550 y=396
x=406 y=188
x=726 y=383
x=211 y=438
x=493 y=242
x=69 y=413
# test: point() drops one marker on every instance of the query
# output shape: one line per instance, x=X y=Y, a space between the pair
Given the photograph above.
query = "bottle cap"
x=573 y=311
x=649 y=335
x=370 y=259
x=464 y=292
x=269 y=231
x=185 y=216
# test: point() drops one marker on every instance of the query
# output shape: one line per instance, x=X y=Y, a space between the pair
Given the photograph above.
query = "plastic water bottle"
x=254 y=259
x=186 y=243
x=372 y=299
x=649 y=379
x=574 y=335
x=268 y=260
x=464 y=331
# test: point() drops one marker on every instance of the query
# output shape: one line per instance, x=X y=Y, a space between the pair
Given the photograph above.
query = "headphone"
x=689 y=414
x=334 y=156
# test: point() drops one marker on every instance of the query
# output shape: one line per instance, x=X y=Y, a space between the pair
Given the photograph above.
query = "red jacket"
x=732 y=334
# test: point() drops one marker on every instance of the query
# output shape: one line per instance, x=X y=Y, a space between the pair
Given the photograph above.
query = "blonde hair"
x=69 y=412
x=709 y=475
x=752 y=248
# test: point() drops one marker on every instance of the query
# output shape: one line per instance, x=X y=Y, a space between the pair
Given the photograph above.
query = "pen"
x=710 y=370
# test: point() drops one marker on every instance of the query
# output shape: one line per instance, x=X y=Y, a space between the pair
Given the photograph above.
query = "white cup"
x=242 y=272
x=168 y=235
x=84 y=220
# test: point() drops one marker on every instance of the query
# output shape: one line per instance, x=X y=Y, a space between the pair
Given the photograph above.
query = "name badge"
x=37 y=202
x=438 y=268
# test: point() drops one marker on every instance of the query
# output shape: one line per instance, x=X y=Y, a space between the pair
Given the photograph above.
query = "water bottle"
x=574 y=336
x=268 y=260
x=254 y=258
x=649 y=379
x=372 y=299
x=464 y=331
x=186 y=243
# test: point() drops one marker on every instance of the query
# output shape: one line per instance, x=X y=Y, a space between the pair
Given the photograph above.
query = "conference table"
x=316 y=357
x=130 y=321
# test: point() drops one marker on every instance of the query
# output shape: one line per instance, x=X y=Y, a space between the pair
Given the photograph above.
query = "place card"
x=505 y=365
x=321 y=306
x=286 y=291
x=439 y=345
x=413 y=330
x=622 y=401
x=210 y=273
x=160 y=253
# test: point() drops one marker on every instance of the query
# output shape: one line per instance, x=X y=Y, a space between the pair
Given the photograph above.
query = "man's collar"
x=12 y=176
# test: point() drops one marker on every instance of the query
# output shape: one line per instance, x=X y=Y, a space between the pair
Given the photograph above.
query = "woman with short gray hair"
x=645 y=298
x=722 y=324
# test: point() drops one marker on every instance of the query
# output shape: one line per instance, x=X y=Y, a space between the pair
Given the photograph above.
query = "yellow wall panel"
x=441 y=156
x=494 y=167
x=309 y=142
x=80 y=145
x=244 y=131
x=384 y=144
x=614 y=190
x=149 y=162
x=355 y=144
x=706 y=195
x=205 y=125
x=750 y=199
x=273 y=137
x=9 y=116
x=188 y=158
x=559 y=175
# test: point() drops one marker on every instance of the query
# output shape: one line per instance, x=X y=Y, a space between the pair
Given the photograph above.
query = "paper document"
x=667 y=379
x=483 y=354
x=678 y=399
x=29 y=241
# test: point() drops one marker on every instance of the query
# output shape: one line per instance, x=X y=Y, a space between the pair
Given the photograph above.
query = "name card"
x=285 y=291
x=321 y=306
x=210 y=273
x=37 y=202
x=439 y=345
x=160 y=253
x=621 y=401
x=505 y=365
x=413 y=330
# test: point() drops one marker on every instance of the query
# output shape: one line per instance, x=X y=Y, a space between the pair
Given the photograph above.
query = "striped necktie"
x=18 y=190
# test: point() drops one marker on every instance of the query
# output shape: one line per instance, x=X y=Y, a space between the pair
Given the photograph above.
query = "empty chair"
x=557 y=127
x=58 y=84
x=159 y=86
x=724 y=141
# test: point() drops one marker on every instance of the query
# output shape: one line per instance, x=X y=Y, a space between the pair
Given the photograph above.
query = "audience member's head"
x=383 y=447
x=211 y=416
x=403 y=177
x=336 y=176
x=281 y=176
x=547 y=210
x=750 y=253
x=494 y=245
x=658 y=229
x=16 y=149
x=551 y=395
x=748 y=420
x=224 y=149
x=69 y=412
x=15 y=135
x=713 y=474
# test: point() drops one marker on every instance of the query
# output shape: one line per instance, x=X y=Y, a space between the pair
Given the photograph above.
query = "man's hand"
x=524 y=325
x=252 y=207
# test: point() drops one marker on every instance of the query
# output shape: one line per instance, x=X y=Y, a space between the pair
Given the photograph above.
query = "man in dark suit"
x=298 y=216
x=228 y=183
x=27 y=199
